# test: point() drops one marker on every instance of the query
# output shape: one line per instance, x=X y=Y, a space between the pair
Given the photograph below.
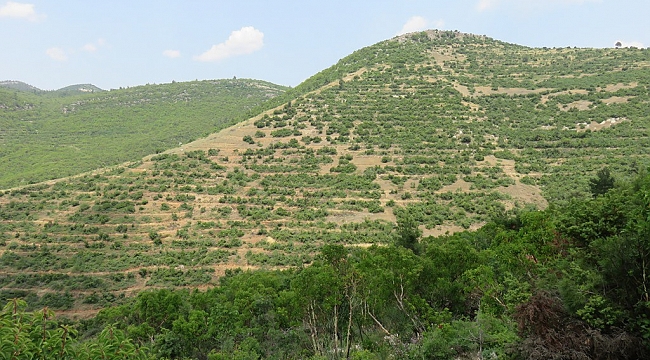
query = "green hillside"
x=19 y=86
x=436 y=195
x=78 y=89
x=49 y=135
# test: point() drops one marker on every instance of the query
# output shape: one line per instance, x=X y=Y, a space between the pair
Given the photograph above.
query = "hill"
x=68 y=90
x=78 y=89
x=441 y=129
x=48 y=135
x=18 y=85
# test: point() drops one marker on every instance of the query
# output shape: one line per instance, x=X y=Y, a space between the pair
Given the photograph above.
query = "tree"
x=408 y=233
x=602 y=182
x=37 y=335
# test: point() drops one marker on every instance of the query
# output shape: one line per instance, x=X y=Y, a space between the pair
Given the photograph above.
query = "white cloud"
x=418 y=23
x=94 y=46
x=20 y=11
x=438 y=24
x=415 y=23
x=172 y=53
x=240 y=42
x=57 y=54
x=634 y=44
x=486 y=4
x=90 y=47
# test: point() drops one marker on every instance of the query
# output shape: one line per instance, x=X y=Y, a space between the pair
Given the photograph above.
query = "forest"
x=436 y=195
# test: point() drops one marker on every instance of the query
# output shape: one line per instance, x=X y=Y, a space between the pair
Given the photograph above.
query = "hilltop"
x=68 y=90
x=18 y=85
x=78 y=89
x=443 y=129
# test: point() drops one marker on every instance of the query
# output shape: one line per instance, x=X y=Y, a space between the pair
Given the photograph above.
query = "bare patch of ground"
x=616 y=100
x=363 y=162
x=568 y=92
x=448 y=229
x=619 y=86
x=524 y=193
x=351 y=76
x=578 y=105
x=464 y=90
x=227 y=140
x=507 y=165
x=594 y=126
x=440 y=58
x=459 y=185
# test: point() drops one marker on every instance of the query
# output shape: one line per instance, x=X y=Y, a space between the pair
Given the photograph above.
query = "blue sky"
x=51 y=44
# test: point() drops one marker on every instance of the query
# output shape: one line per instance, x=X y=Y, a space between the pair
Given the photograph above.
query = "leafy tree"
x=33 y=335
x=408 y=233
x=37 y=335
x=602 y=183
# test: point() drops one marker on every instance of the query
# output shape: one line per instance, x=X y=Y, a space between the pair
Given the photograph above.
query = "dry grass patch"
x=619 y=86
x=578 y=105
x=617 y=100
x=594 y=126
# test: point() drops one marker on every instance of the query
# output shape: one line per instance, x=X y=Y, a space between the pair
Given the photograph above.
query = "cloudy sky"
x=54 y=43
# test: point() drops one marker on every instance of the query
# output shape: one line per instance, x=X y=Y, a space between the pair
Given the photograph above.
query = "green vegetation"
x=436 y=195
x=49 y=135
x=566 y=282
x=38 y=335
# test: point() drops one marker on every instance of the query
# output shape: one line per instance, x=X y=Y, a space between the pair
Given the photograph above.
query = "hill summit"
x=21 y=86
x=18 y=85
x=80 y=88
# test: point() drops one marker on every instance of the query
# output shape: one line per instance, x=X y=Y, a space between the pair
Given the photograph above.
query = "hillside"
x=49 y=135
x=78 y=89
x=18 y=85
x=443 y=129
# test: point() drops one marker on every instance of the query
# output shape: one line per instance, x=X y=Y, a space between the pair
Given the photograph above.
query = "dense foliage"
x=39 y=335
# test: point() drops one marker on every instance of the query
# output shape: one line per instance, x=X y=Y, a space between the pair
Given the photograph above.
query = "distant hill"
x=68 y=90
x=79 y=89
x=47 y=135
x=18 y=85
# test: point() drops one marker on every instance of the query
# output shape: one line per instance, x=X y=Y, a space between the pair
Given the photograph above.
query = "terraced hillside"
x=49 y=135
x=441 y=128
